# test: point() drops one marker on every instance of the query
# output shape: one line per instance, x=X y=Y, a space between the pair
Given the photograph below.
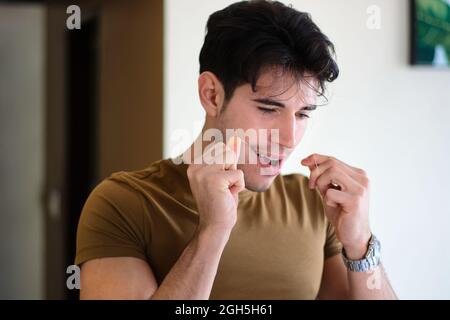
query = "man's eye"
x=266 y=110
x=303 y=116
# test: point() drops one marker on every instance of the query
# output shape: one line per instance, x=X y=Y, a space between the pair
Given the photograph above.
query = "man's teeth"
x=267 y=160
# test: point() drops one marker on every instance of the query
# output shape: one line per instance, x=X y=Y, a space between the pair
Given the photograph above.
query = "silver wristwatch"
x=370 y=261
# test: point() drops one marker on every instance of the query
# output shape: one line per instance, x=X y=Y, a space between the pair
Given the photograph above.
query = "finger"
x=219 y=156
x=312 y=165
x=314 y=159
x=317 y=171
x=339 y=177
x=234 y=143
x=335 y=198
x=235 y=180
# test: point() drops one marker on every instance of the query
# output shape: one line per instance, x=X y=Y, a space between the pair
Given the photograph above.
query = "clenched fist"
x=215 y=184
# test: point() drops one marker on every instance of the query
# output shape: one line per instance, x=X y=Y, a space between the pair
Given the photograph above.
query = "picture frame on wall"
x=430 y=33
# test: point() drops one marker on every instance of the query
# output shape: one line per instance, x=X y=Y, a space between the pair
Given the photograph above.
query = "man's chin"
x=260 y=186
x=257 y=180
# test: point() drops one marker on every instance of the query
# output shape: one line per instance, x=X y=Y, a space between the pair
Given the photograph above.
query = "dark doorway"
x=86 y=114
x=81 y=126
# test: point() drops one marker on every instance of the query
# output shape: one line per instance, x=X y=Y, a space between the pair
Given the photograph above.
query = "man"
x=218 y=225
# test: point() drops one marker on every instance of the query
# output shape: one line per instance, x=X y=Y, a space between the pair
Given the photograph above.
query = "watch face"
x=370 y=251
x=377 y=248
x=375 y=245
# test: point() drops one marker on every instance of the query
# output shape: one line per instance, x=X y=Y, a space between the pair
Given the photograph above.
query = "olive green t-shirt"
x=275 y=251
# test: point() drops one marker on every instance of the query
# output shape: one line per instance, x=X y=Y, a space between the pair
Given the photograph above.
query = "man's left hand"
x=345 y=191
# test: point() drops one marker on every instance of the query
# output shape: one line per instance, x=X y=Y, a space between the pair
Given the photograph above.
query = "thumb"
x=234 y=143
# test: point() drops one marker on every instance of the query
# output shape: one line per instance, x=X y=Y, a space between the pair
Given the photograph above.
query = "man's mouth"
x=268 y=160
x=274 y=161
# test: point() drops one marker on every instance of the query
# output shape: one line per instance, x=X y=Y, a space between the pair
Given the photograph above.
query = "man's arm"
x=345 y=193
x=340 y=283
x=215 y=188
x=191 y=277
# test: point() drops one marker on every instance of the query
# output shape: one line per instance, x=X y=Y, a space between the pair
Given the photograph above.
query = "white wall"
x=22 y=30
x=385 y=116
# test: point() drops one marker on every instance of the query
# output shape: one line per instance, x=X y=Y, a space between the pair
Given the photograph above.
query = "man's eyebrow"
x=270 y=102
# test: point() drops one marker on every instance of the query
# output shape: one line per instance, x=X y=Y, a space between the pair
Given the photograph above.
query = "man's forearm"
x=373 y=285
x=193 y=274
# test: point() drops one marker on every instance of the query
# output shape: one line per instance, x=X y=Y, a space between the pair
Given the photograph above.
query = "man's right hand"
x=215 y=188
x=215 y=184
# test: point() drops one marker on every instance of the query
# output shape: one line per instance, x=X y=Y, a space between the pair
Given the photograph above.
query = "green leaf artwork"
x=431 y=32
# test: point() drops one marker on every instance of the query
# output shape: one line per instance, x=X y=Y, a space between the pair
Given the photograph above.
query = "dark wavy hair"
x=248 y=36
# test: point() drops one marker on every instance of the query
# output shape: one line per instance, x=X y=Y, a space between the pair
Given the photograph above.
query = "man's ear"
x=211 y=93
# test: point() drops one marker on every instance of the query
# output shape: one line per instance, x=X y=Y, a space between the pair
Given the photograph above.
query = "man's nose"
x=287 y=132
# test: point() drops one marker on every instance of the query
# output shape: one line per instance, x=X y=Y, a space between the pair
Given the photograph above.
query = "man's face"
x=281 y=103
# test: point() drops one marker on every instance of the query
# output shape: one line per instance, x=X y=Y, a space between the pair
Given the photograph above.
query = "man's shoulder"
x=157 y=173
x=141 y=174
x=124 y=192
x=125 y=186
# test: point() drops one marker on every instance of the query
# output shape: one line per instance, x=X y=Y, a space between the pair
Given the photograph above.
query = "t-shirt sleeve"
x=332 y=245
x=111 y=224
